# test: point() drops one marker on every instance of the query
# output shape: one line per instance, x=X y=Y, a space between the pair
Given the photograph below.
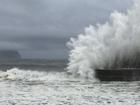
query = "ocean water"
x=42 y=82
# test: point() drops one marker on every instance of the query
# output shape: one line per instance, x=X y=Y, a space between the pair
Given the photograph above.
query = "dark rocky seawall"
x=121 y=74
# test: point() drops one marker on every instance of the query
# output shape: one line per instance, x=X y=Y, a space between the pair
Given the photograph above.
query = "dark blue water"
x=34 y=64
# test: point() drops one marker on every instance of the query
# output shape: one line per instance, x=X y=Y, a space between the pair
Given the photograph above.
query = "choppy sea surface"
x=41 y=82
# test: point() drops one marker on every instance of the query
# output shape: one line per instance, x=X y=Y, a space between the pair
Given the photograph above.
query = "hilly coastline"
x=9 y=54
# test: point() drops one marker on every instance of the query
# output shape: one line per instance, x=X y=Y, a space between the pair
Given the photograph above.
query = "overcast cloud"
x=40 y=28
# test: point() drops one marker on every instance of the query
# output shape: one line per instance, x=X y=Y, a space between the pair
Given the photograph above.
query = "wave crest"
x=114 y=44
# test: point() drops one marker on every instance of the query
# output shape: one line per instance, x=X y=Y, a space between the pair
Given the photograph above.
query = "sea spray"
x=25 y=75
x=115 y=44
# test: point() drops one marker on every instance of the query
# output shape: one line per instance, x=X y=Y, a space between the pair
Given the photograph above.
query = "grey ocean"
x=42 y=82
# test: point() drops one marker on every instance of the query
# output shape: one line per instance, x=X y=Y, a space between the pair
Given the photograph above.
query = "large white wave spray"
x=113 y=44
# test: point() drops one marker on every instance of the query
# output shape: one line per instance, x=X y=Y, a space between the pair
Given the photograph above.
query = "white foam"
x=30 y=75
x=100 y=45
x=35 y=87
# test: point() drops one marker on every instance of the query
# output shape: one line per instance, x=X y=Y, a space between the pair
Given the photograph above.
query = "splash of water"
x=16 y=74
x=113 y=44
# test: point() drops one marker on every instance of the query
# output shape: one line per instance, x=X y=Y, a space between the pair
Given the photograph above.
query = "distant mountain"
x=9 y=54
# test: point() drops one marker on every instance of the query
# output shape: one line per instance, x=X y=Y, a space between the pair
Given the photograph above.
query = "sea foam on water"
x=115 y=44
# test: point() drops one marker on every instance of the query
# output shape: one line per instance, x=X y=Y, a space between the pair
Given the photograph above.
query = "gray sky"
x=41 y=28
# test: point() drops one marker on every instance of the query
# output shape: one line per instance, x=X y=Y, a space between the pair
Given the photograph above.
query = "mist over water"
x=115 y=44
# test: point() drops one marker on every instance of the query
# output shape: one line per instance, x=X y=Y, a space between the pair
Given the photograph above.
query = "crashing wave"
x=114 y=44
